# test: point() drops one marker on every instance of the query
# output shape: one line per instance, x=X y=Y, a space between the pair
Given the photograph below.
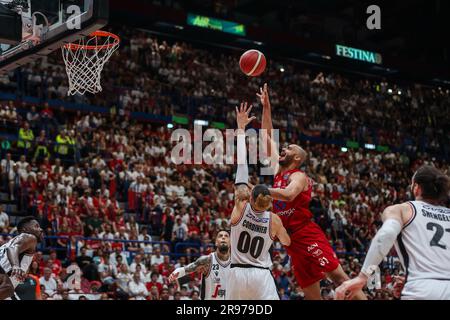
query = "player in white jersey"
x=253 y=230
x=214 y=268
x=17 y=254
x=420 y=231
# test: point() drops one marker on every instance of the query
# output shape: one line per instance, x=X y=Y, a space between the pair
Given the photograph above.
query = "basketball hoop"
x=85 y=59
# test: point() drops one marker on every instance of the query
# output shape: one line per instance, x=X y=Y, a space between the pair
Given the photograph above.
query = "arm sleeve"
x=381 y=244
x=242 y=167
x=181 y=272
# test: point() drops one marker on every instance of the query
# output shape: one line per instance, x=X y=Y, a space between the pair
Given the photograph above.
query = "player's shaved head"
x=292 y=156
x=300 y=152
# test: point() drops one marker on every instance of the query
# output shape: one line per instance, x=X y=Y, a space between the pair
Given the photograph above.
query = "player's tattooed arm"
x=202 y=265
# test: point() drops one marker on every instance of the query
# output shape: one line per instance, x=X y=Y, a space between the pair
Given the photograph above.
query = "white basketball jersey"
x=424 y=243
x=214 y=284
x=251 y=239
x=25 y=259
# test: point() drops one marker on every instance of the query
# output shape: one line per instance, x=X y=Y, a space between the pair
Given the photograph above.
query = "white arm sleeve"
x=381 y=244
x=242 y=168
x=181 y=272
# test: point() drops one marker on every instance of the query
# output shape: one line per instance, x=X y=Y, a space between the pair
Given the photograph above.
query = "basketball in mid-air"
x=252 y=63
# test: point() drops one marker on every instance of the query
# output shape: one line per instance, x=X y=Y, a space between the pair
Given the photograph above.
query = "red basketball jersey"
x=294 y=214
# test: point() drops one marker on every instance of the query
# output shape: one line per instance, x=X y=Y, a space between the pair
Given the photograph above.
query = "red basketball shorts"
x=311 y=255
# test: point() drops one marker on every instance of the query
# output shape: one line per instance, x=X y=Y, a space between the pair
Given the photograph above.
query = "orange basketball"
x=252 y=63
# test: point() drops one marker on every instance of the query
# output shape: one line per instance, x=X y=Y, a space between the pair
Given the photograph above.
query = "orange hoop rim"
x=100 y=34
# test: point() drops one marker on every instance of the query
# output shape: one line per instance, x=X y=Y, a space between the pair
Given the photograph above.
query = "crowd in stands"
x=165 y=77
x=93 y=179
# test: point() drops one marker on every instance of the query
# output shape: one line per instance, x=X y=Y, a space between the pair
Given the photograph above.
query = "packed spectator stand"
x=104 y=188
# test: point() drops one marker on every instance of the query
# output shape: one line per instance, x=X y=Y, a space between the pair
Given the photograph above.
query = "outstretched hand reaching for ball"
x=243 y=115
x=263 y=96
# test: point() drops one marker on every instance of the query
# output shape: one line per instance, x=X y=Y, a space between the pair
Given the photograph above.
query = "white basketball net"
x=85 y=59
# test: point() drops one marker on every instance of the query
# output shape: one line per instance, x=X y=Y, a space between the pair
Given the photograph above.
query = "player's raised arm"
x=267 y=126
x=24 y=243
x=241 y=191
x=263 y=96
x=202 y=264
x=393 y=221
x=279 y=231
x=297 y=183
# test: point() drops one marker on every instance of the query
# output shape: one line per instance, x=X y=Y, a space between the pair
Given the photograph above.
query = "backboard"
x=46 y=26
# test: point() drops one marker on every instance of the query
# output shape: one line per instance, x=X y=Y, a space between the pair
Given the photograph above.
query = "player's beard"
x=286 y=161
x=223 y=248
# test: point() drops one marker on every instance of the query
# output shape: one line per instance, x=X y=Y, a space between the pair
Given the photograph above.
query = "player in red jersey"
x=311 y=254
